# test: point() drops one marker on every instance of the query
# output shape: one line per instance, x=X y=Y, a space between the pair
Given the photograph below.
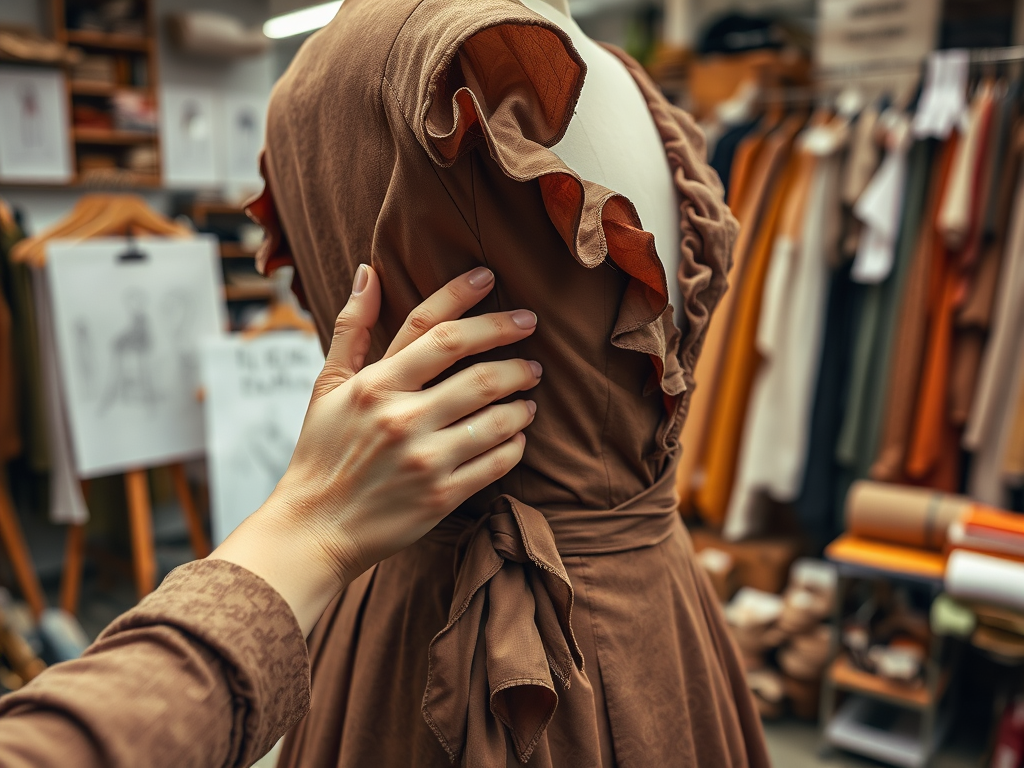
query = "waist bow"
x=509 y=639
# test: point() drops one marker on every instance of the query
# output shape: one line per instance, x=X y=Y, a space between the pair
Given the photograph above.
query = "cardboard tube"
x=918 y=517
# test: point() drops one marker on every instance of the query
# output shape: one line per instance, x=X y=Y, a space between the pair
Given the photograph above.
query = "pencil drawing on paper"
x=131 y=380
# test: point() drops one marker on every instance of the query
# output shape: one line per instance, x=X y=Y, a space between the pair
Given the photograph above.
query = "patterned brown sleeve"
x=211 y=669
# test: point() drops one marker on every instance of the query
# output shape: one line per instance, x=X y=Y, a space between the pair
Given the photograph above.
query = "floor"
x=795 y=744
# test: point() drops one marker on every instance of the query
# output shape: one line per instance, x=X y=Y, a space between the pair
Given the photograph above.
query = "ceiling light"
x=299 y=22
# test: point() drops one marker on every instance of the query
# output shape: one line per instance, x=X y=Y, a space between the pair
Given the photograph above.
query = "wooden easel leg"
x=71 y=579
x=196 y=534
x=17 y=550
x=140 y=518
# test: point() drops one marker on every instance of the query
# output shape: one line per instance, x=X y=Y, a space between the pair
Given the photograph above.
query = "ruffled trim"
x=598 y=224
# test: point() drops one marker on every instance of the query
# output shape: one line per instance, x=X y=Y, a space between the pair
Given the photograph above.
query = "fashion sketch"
x=131 y=380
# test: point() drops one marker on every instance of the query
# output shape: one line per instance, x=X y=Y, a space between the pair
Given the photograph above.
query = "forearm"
x=210 y=670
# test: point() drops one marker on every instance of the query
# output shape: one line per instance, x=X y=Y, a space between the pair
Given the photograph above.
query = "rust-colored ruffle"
x=595 y=222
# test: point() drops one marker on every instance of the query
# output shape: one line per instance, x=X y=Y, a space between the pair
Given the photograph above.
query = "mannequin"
x=612 y=140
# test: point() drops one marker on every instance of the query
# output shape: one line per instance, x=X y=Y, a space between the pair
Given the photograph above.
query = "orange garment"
x=741 y=360
x=1013 y=458
x=755 y=162
x=934 y=454
x=911 y=338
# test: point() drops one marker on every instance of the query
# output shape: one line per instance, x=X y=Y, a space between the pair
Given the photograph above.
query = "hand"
x=381 y=460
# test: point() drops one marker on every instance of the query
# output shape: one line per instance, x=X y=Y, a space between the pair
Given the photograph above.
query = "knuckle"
x=498 y=325
x=342 y=323
x=420 y=321
x=446 y=338
x=498 y=464
x=366 y=393
x=500 y=421
x=417 y=463
x=394 y=428
x=485 y=380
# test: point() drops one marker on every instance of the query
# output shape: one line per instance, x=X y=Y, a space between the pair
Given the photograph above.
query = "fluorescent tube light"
x=298 y=22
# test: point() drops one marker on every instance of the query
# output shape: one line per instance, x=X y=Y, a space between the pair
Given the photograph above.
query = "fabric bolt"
x=739 y=364
x=190 y=682
x=911 y=331
x=764 y=167
x=773 y=455
x=558 y=617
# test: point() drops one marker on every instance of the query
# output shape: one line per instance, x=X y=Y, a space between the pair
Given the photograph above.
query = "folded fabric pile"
x=785 y=640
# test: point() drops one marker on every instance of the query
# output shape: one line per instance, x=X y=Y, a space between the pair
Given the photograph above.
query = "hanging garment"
x=789 y=337
x=739 y=364
x=559 y=616
x=725 y=151
x=986 y=429
x=763 y=168
x=1013 y=456
x=10 y=426
x=911 y=327
x=933 y=458
x=972 y=319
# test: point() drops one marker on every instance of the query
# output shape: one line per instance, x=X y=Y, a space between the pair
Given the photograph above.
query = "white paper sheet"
x=188 y=140
x=993 y=580
x=34 y=143
x=257 y=392
x=127 y=336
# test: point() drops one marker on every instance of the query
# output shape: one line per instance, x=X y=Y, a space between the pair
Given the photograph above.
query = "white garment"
x=880 y=208
x=989 y=423
x=773 y=454
x=67 y=503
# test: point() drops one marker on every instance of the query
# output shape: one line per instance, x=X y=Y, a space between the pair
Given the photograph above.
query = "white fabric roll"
x=994 y=580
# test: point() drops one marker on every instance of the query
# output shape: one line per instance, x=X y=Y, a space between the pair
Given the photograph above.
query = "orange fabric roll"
x=902 y=514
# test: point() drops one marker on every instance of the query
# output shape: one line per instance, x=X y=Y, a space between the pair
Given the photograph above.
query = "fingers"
x=351 y=340
x=482 y=431
x=448 y=303
x=445 y=344
x=476 y=387
x=479 y=472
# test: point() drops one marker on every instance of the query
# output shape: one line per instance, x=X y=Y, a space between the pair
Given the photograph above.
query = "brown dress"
x=558 y=618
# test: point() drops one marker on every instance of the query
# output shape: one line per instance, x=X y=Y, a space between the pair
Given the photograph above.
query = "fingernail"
x=480 y=277
x=537 y=368
x=531 y=406
x=360 y=280
x=524 y=318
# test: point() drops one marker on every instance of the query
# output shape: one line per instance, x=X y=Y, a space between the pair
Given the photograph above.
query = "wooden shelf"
x=86 y=88
x=109 y=41
x=104 y=136
x=249 y=292
x=849 y=678
x=236 y=251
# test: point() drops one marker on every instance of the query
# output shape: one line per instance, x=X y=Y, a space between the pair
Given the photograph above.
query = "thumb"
x=351 y=341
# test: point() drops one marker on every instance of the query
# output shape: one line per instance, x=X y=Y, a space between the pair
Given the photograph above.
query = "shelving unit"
x=244 y=288
x=894 y=723
x=111 y=155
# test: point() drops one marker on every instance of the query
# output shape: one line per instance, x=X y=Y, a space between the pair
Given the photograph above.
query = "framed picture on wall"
x=34 y=140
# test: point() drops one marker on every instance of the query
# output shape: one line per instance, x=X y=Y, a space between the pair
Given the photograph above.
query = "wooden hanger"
x=283 y=314
x=100 y=216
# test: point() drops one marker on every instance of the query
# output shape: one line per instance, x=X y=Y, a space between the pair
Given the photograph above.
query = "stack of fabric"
x=986 y=562
x=875 y=323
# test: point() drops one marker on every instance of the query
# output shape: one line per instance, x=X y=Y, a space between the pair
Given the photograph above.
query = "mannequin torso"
x=612 y=140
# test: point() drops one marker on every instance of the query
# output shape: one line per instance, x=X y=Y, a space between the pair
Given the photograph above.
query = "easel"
x=107 y=216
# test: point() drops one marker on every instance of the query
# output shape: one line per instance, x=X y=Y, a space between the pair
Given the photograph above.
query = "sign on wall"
x=853 y=33
x=257 y=392
x=128 y=319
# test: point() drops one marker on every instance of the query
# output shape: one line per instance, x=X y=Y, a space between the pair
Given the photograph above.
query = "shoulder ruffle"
x=513 y=88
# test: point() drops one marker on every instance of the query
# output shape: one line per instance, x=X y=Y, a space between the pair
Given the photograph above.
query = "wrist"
x=277 y=544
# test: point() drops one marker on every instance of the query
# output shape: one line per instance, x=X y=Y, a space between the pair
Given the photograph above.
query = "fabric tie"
x=508 y=646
